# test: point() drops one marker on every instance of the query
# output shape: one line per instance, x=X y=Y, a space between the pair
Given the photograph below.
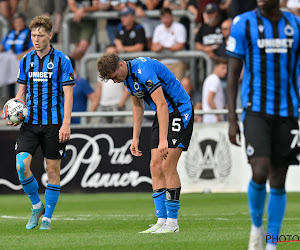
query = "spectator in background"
x=82 y=29
x=209 y=36
x=112 y=97
x=8 y=9
x=149 y=24
x=82 y=92
x=170 y=36
x=221 y=50
x=294 y=6
x=237 y=7
x=130 y=36
x=112 y=24
x=17 y=41
x=194 y=94
x=180 y=5
x=56 y=7
x=212 y=92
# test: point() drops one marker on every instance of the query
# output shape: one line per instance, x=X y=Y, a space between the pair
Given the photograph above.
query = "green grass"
x=112 y=221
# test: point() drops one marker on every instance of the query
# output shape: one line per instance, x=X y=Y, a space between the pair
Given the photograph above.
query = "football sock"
x=30 y=187
x=51 y=198
x=256 y=202
x=173 y=202
x=159 y=197
x=37 y=206
x=276 y=209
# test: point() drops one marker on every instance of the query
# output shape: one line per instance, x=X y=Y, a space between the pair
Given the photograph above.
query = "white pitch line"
x=133 y=217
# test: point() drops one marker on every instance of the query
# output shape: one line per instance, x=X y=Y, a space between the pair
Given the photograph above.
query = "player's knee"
x=20 y=164
x=260 y=170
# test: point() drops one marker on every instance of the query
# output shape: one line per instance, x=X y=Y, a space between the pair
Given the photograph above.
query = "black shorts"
x=180 y=130
x=32 y=135
x=272 y=136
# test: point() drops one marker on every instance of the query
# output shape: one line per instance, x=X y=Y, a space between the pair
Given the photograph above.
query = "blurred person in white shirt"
x=212 y=92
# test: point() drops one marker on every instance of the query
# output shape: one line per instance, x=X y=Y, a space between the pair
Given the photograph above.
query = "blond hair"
x=107 y=64
x=41 y=22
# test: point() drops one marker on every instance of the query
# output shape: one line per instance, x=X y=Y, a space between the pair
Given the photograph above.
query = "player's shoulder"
x=62 y=55
x=291 y=17
x=143 y=67
x=242 y=18
x=28 y=55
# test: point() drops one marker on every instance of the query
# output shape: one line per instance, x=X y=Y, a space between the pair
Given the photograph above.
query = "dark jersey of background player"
x=45 y=78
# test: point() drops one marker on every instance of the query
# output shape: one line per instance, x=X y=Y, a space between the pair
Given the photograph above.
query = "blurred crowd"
x=133 y=31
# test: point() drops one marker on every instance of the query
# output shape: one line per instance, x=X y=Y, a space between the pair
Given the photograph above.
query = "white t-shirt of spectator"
x=293 y=4
x=212 y=84
x=169 y=37
x=111 y=93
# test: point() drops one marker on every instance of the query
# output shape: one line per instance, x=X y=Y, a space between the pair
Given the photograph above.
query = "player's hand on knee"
x=163 y=149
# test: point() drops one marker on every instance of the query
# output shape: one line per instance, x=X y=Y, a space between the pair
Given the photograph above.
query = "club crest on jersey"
x=261 y=28
x=71 y=76
x=150 y=84
x=32 y=64
x=50 y=65
x=136 y=86
x=139 y=71
x=288 y=30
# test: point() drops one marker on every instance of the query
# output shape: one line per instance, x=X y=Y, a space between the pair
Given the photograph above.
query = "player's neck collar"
x=50 y=51
x=269 y=16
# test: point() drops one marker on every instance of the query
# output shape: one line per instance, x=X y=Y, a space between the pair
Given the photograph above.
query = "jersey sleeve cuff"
x=21 y=81
x=234 y=54
x=68 y=83
x=154 y=88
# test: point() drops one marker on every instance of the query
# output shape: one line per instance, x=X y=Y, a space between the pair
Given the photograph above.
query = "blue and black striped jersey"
x=18 y=42
x=270 y=51
x=146 y=75
x=45 y=78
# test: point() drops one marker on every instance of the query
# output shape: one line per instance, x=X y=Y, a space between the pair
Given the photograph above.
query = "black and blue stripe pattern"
x=45 y=78
x=270 y=51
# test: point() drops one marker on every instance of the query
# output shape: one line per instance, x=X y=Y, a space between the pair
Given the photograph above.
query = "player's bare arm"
x=163 y=120
x=65 y=131
x=235 y=68
x=138 y=114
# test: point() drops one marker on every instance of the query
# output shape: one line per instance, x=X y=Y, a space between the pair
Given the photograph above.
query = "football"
x=15 y=110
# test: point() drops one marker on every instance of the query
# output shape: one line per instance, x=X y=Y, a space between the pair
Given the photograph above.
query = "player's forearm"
x=68 y=104
x=235 y=67
x=163 y=120
x=21 y=92
x=138 y=114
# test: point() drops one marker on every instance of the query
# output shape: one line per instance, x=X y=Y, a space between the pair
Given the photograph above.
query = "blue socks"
x=173 y=202
x=51 y=198
x=276 y=209
x=30 y=187
x=256 y=202
x=159 y=197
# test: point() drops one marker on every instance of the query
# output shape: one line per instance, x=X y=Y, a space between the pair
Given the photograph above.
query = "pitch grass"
x=112 y=221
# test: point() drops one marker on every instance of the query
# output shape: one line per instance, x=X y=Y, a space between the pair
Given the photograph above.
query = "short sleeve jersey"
x=271 y=52
x=146 y=75
x=18 y=42
x=45 y=78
